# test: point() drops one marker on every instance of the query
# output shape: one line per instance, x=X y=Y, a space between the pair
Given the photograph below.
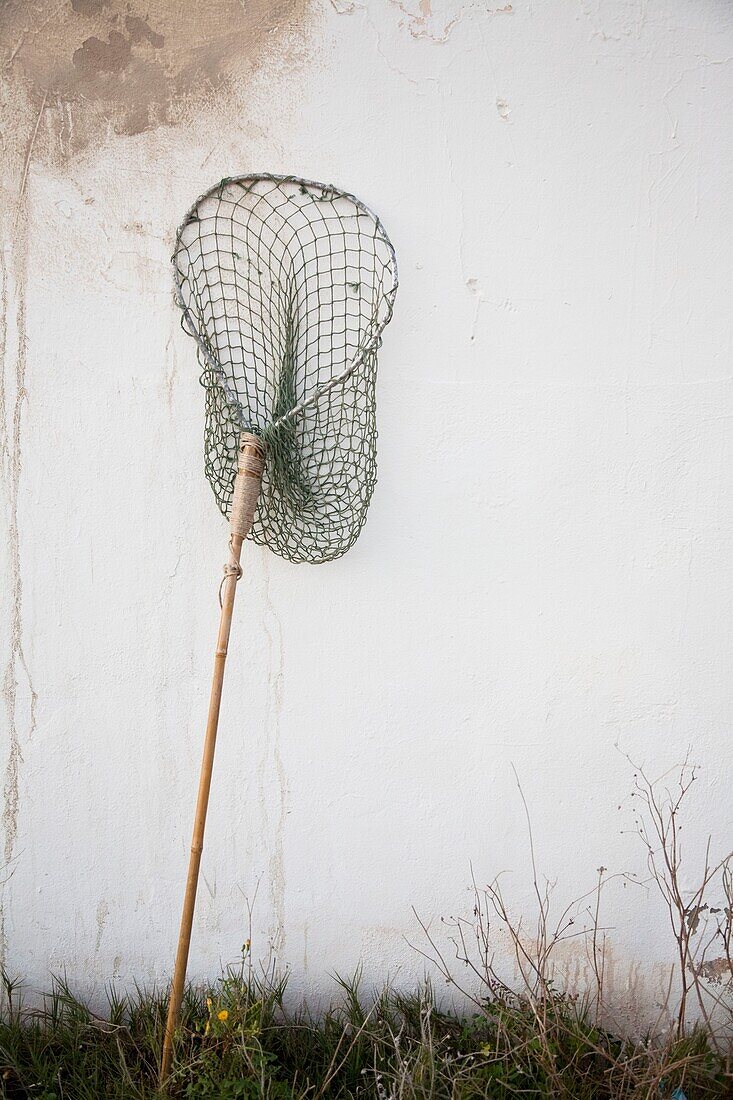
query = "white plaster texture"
x=544 y=582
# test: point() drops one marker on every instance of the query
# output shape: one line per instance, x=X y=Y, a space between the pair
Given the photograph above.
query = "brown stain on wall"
x=16 y=677
x=131 y=66
x=276 y=677
x=74 y=73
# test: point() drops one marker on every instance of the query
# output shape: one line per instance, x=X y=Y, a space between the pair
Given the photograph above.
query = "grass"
x=239 y=1040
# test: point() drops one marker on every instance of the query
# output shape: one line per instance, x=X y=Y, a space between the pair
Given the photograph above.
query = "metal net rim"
x=188 y=322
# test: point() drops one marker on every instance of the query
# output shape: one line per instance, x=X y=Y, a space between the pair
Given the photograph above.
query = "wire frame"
x=286 y=286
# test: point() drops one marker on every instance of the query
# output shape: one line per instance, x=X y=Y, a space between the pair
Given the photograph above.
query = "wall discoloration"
x=74 y=75
x=423 y=22
x=13 y=396
x=129 y=67
x=276 y=676
x=719 y=971
x=102 y=914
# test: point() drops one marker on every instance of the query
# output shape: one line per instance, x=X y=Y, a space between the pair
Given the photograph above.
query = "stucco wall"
x=544 y=580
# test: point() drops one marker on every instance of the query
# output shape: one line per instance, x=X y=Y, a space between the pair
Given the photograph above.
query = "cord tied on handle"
x=250 y=467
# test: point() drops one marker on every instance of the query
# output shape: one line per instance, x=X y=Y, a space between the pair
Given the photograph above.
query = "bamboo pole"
x=246 y=491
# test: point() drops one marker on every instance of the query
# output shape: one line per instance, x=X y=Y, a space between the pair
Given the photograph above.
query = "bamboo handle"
x=244 y=502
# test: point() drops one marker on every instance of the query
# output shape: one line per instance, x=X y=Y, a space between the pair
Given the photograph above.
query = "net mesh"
x=286 y=286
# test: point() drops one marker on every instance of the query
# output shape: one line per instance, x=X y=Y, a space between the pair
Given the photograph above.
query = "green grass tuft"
x=237 y=1041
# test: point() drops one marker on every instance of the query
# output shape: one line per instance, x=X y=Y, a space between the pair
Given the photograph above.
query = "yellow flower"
x=223 y=1015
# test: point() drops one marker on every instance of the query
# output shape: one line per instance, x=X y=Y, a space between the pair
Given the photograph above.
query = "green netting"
x=286 y=286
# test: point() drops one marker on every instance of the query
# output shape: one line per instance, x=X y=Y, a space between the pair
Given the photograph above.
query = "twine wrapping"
x=250 y=465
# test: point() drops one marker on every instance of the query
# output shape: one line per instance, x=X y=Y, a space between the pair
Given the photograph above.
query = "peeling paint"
x=717 y=971
x=424 y=23
x=126 y=68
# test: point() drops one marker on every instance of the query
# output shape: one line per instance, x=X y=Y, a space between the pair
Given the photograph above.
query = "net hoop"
x=190 y=327
x=286 y=285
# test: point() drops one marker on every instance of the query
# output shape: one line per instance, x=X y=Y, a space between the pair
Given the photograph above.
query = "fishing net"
x=286 y=286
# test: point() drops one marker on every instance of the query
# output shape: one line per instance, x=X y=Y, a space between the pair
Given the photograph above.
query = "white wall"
x=545 y=573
